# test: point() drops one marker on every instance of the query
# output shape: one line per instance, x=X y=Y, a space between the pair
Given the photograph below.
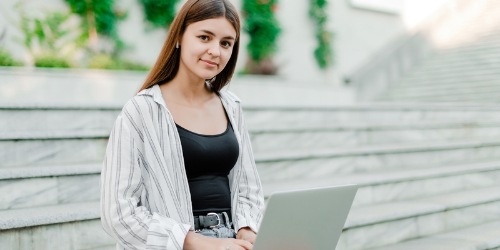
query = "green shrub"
x=128 y=65
x=105 y=61
x=7 y=60
x=323 y=52
x=51 y=61
x=102 y=61
x=262 y=26
x=99 y=18
x=159 y=13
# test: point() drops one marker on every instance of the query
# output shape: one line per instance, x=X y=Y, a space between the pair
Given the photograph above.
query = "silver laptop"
x=310 y=219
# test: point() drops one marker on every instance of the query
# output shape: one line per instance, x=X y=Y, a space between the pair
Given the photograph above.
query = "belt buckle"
x=218 y=220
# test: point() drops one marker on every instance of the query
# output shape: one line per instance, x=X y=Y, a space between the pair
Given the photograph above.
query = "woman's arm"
x=122 y=216
x=250 y=206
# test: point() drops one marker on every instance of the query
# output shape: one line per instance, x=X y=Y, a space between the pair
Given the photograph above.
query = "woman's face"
x=206 y=47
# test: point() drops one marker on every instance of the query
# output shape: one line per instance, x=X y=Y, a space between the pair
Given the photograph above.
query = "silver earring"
x=177 y=45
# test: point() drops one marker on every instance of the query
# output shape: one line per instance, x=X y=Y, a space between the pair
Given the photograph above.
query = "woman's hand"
x=245 y=233
x=196 y=241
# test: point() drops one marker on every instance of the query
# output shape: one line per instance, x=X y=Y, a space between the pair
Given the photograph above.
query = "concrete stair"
x=465 y=72
x=436 y=197
x=61 y=227
x=484 y=236
x=423 y=170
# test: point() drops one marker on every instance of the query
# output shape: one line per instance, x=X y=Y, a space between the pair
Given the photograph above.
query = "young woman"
x=179 y=171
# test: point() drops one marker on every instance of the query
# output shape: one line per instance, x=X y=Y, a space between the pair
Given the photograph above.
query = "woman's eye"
x=226 y=44
x=203 y=38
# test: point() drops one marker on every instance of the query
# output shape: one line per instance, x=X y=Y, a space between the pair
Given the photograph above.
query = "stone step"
x=25 y=187
x=473 y=97
x=19 y=118
x=390 y=223
x=402 y=184
x=458 y=79
x=60 y=227
x=45 y=148
x=57 y=144
x=487 y=48
x=50 y=185
x=369 y=113
x=45 y=215
x=482 y=47
x=445 y=90
x=364 y=228
x=482 y=236
x=479 y=71
x=267 y=140
x=485 y=41
x=68 y=86
x=43 y=186
x=457 y=87
x=316 y=163
x=63 y=118
x=445 y=63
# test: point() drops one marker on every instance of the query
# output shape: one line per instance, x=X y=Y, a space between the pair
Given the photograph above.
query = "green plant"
x=263 y=28
x=6 y=59
x=323 y=52
x=159 y=13
x=50 y=60
x=48 y=39
x=106 y=61
x=98 y=19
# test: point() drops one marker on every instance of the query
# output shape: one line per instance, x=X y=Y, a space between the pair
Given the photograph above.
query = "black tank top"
x=208 y=160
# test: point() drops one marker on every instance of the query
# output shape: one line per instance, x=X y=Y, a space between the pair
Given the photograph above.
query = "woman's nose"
x=214 y=49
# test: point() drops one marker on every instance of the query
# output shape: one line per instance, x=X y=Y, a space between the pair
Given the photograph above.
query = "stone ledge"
x=52 y=170
x=55 y=135
x=60 y=106
x=393 y=211
x=362 y=107
x=290 y=155
x=27 y=217
x=81 y=235
x=78 y=133
x=407 y=88
x=382 y=177
x=267 y=128
x=484 y=236
x=375 y=126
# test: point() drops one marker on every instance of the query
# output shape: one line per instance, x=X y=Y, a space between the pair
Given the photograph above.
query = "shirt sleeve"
x=123 y=217
x=250 y=205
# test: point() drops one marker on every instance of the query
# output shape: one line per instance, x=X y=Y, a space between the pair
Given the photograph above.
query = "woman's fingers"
x=243 y=243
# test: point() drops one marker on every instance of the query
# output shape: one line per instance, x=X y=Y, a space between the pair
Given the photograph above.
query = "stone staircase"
x=49 y=176
x=424 y=171
x=466 y=70
x=427 y=174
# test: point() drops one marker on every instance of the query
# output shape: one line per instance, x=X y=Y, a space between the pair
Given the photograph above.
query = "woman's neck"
x=190 y=91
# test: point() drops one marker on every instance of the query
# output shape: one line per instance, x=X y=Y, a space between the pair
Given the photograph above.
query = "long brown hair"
x=192 y=11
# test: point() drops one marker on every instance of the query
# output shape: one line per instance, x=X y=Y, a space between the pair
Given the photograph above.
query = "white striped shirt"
x=145 y=198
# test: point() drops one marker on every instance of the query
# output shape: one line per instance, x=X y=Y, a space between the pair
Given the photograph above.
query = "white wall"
x=359 y=33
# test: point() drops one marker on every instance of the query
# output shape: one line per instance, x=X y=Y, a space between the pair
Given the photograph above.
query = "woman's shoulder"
x=141 y=104
x=230 y=96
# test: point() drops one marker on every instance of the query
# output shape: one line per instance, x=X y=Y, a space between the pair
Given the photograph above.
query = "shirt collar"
x=154 y=92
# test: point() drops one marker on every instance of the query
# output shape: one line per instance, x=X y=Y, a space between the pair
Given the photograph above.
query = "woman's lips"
x=210 y=63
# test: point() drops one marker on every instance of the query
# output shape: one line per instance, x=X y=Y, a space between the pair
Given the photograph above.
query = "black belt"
x=211 y=220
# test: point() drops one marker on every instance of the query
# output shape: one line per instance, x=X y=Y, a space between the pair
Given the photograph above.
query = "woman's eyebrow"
x=212 y=34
